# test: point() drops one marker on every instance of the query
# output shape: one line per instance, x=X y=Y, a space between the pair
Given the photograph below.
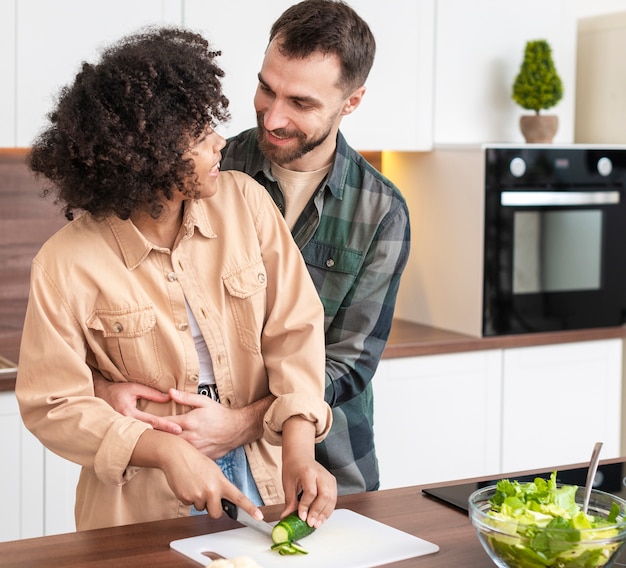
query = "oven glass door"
x=554 y=261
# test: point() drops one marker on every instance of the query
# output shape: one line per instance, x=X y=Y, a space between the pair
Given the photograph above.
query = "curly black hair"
x=117 y=138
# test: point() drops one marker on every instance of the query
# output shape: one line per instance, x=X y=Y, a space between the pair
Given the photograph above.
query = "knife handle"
x=229 y=508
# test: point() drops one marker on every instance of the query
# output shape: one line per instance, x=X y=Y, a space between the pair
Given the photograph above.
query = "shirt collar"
x=135 y=247
x=257 y=163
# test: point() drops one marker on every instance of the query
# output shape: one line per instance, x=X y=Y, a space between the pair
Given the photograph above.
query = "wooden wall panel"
x=26 y=221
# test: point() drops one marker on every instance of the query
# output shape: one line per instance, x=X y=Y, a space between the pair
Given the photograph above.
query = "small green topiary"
x=537 y=85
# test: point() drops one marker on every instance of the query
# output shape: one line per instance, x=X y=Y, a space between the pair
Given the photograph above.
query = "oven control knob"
x=605 y=166
x=517 y=167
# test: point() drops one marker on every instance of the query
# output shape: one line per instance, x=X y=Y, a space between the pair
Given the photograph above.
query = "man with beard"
x=350 y=223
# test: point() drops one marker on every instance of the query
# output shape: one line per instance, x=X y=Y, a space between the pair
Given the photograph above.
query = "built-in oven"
x=554 y=238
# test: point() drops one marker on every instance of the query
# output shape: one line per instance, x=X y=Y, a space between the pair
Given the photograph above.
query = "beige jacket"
x=102 y=297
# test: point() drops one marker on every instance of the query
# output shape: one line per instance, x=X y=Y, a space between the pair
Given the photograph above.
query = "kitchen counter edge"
x=410 y=339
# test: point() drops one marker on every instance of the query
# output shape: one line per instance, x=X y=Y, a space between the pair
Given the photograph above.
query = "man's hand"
x=215 y=429
x=123 y=397
x=209 y=426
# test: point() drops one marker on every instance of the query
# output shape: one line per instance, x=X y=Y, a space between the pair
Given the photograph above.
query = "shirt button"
x=118 y=327
x=261 y=278
x=330 y=263
x=182 y=326
x=172 y=277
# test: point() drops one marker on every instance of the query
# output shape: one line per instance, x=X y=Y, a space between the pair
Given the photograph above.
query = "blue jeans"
x=235 y=467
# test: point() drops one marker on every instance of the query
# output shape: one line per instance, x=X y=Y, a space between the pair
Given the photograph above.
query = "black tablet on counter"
x=609 y=478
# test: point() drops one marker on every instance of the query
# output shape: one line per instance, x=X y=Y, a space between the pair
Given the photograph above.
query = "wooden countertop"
x=407 y=339
x=147 y=544
x=411 y=339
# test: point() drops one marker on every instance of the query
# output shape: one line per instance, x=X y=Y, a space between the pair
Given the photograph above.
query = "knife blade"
x=244 y=518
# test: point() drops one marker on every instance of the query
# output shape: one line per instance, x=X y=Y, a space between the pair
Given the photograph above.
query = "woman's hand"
x=195 y=479
x=304 y=476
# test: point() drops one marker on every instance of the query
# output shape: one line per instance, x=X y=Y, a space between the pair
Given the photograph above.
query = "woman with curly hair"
x=174 y=275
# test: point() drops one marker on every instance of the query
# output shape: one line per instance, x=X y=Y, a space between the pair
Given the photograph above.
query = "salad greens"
x=539 y=525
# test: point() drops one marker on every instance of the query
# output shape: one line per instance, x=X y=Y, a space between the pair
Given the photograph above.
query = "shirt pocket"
x=334 y=270
x=245 y=290
x=128 y=338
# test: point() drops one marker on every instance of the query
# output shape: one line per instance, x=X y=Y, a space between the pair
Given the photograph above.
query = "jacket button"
x=262 y=278
x=172 y=277
x=118 y=327
x=182 y=326
x=330 y=263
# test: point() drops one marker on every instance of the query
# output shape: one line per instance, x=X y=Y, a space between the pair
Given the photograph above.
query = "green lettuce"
x=543 y=525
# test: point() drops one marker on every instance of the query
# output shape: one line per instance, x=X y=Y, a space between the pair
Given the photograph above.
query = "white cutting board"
x=346 y=540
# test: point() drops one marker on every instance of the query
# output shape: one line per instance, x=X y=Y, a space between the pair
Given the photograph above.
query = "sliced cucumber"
x=288 y=548
x=286 y=531
x=291 y=528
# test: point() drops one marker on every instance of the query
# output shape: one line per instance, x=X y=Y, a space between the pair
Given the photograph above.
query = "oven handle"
x=547 y=198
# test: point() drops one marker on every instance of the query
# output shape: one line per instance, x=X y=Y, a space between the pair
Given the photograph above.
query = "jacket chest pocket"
x=128 y=339
x=245 y=291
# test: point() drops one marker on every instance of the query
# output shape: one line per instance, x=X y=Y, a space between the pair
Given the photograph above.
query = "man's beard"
x=282 y=156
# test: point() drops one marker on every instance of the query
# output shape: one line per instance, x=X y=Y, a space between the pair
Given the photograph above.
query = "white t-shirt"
x=207 y=376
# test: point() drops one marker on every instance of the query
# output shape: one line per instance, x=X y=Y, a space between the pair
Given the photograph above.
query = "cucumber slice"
x=281 y=534
x=298 y=548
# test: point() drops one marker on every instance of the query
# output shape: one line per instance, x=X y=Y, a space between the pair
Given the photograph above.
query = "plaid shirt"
x=354 y=237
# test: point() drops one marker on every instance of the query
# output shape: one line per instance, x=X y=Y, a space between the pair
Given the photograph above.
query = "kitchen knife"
x=244 y=518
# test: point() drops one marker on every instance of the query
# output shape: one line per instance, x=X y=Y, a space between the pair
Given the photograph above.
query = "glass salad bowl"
x=518 y=535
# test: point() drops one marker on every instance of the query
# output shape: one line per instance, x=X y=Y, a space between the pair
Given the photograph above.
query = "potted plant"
x=538 y=87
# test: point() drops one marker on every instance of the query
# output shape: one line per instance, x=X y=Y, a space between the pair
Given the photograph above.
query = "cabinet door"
x=53 y=38
x=21 y=473
x=396 y=113
x=437 y=417
x=558 y=400
x=397 y=110
x=60 y=491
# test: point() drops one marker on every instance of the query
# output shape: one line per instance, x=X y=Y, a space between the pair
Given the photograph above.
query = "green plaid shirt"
x=354 y=237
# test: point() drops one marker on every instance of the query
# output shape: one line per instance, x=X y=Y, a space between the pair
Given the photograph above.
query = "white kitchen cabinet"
x=21 y=475
x=37 y=488
x=53 y=38
x=443 y=417
x=61 y=479
x=396 y=112
x=558 y=401
x=437 y=417
x=43 y=43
